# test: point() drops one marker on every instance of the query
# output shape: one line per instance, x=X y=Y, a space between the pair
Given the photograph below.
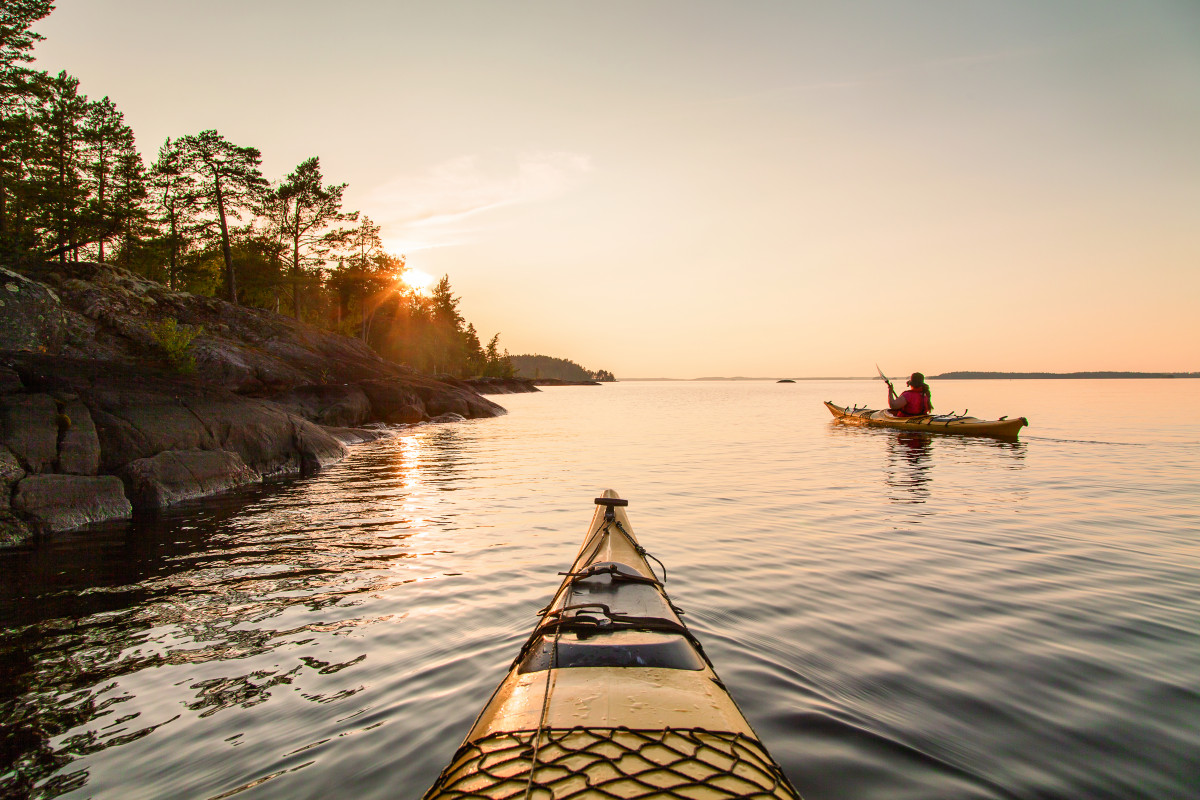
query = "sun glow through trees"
x=419 y=282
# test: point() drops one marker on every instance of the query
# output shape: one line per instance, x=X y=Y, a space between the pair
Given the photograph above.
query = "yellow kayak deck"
x=611 y=697
x=933 y=423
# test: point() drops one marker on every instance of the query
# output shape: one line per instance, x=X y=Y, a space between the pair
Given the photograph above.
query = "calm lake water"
x=898 y=616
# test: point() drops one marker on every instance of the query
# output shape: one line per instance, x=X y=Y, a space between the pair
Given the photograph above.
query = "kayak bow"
x=933 y=423
x=611 y=697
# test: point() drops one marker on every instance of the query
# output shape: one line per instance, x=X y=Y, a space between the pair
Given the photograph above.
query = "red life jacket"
x=915 y=404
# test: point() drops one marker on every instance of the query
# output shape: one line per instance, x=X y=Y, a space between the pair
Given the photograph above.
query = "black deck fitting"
x=609 y=503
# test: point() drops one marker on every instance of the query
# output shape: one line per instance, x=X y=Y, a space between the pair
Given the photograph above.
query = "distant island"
x=1044 y=375
x=549 y=368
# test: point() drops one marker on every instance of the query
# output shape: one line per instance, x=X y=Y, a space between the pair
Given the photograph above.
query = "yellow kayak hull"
x=932 y=423
x=611 y=697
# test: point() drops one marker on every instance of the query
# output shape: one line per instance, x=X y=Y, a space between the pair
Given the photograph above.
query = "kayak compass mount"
x=609 y=503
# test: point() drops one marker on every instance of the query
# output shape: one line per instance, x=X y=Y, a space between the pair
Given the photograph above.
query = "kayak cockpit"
x=611 y=614
x=615 y=649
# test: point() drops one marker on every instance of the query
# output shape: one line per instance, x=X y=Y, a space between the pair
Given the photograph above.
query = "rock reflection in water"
x=209 y=605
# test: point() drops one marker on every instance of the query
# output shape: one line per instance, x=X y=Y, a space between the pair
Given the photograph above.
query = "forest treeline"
x=536 y=367
x=203 y=218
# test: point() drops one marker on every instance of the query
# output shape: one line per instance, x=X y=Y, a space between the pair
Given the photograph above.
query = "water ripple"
x=899 y=616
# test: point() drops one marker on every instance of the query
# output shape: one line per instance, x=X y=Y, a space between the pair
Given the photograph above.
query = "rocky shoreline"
x=96 y=422
x=561 y=382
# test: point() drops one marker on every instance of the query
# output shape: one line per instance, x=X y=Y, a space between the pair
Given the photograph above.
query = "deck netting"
x=622 y=764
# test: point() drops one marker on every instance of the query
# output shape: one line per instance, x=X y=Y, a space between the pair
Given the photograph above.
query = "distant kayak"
x=933 y=423
x=611 y=697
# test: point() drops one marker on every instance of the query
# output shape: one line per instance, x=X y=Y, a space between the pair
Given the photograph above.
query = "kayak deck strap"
x=611 y=621
x=618 y=575
x=613 y=763
x=587 y=626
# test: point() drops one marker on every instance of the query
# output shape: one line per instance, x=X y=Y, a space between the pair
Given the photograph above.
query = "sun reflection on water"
x=411 y=466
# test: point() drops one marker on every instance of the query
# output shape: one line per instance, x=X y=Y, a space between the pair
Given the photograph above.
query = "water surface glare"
x=899 y=616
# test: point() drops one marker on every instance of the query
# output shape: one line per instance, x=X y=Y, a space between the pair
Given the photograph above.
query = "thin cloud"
x=449 y=203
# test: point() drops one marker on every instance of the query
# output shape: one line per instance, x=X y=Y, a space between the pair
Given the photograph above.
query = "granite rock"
x=340 y=405
x=349 y=436
x=176 y=475
x=29 y=426
x=78 y=444
x=10 y=381
x=30 y=314
x=55 y=503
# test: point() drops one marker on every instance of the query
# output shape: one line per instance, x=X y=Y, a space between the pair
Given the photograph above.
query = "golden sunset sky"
x=693 y=188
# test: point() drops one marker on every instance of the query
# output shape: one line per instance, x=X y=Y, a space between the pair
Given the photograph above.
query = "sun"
x=420 y=282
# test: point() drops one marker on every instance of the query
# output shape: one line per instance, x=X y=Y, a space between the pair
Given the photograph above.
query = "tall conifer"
x=172 y=199
x=114 y=171
x=18 y=98
x=308 y=209
x=227 y=182
x=59 y=172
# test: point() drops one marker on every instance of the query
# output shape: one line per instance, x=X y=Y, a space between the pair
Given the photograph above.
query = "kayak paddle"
x=891 y=388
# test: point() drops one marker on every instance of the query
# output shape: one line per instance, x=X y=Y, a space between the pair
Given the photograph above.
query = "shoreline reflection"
x=245 y=599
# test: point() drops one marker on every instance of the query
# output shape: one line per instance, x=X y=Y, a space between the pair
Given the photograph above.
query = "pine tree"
x=20 y=88
x=365 y=273
x=16 y=38
x=446 y=340
x=498 y=363
x=20 y=98
x=131 y=216
x=475 y=356
x=115 y=174
x=58 y=172
x=307 y=209
x=172 y=197
x=227 y=182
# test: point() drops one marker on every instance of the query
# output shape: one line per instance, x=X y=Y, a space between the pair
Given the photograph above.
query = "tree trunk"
x=100 y=196
x=173 y=258
x=296 y=272
x=3 y=198
x=226 y=250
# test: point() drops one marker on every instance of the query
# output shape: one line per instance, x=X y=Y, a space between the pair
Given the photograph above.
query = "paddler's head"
x=917 y=380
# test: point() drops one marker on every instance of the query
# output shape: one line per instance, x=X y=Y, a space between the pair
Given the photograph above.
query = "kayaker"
x=912 y=402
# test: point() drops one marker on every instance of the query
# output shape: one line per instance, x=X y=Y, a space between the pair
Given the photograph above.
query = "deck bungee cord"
x=537 y=734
